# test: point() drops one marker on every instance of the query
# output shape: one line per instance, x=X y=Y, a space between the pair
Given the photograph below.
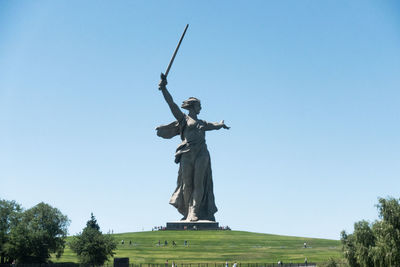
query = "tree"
x=364 y=239
x=349 y=248
x=92 y=223
x=41 y=230
x=91 y=246
x=387 y=231
x=10 y=211
x=331 y=263
x=376 y=244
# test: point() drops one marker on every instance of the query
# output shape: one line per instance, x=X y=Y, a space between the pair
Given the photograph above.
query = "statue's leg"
x=200 y=169
x=187 y=179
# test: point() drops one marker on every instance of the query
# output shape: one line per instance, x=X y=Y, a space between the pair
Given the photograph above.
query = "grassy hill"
x=218 y=247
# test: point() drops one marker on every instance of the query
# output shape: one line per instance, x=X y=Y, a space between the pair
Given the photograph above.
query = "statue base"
x=199 y=225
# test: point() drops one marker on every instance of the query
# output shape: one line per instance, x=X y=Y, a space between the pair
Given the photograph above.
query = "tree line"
x=33 y=235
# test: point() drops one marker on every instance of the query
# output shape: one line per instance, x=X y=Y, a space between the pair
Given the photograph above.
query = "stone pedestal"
x=199 y=225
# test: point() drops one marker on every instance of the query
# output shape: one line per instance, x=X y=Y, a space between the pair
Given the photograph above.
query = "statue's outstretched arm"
x=178 y=114
x=216 y=126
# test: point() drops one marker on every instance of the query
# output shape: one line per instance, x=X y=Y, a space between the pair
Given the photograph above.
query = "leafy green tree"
x=376 y=244
x=9 y=213
x=364 y=239
x=349 y=249
x=92 y=246
x=92 y=223
x=387 y=231
x=331 y=263
x=41 y=230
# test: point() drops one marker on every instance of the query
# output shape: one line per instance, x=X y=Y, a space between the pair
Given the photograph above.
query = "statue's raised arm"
x=176 y=111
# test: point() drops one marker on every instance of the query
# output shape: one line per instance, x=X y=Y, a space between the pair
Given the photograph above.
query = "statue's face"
x=197 y=107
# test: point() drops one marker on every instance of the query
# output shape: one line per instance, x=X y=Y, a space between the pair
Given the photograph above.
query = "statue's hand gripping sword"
x=164 y=76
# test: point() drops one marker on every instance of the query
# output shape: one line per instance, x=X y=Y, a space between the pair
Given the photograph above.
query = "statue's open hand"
x=223 y=125
x=163 y=82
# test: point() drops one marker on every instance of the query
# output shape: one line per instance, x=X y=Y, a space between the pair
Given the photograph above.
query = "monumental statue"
x=193 y=196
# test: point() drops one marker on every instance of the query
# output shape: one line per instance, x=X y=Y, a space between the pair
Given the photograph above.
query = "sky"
x=310 y=89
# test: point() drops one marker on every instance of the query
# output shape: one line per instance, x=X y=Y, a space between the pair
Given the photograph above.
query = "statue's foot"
x=192 y=218
x=183 y=218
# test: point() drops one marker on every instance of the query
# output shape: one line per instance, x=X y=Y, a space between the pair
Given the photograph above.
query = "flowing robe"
x=194 y=194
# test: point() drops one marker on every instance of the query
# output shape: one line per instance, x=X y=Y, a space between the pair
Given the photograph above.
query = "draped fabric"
x=193 y=202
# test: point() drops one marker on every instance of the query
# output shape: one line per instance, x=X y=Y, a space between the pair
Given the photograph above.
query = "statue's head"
x=192 y=103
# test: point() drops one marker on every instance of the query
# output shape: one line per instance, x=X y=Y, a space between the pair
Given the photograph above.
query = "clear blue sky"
x=311 y=90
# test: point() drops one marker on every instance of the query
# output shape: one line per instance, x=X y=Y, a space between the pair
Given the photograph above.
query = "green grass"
x=218 y=247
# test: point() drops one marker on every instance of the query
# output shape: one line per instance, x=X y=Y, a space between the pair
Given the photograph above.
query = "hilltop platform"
x=199 y=225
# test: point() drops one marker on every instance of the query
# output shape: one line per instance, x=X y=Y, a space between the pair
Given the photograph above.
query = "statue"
x=193 y=196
